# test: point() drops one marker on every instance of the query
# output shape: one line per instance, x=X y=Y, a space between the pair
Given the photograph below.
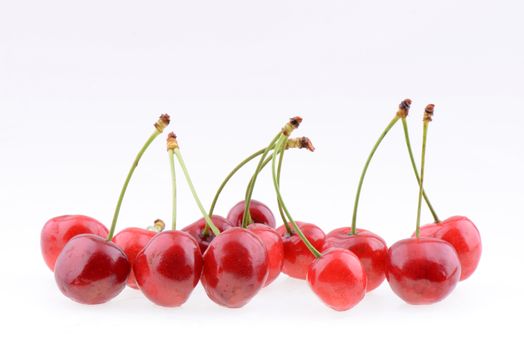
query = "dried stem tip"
x=428 y=112
x=291 y=125
x=403 y=108
x=300 y=142
x=160 y=225
x=162 y=122
x=172 y=143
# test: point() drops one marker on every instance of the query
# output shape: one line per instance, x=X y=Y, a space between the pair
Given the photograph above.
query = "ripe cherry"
x=59 y=230
x=91 y=269
x=132 y=240
x=196 y=230
x=338 y=278
x=370 y=248
x=297 y=256
x=463 y=235
x=260 y=214
x=275 y=249
x=422 y=270
x=168 y=268
x=235 y=267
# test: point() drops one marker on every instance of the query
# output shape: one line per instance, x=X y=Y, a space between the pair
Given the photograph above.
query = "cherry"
x=463 y=235
x=91 y=269
x=260 y=214
x=59 y=230
x=132 y=240
x=275 y=249
x=203 y=238
x=235 y=267
x=370 y=248
x=422 y=270
x=168 y=268
x=338 y=278
x=297 y=256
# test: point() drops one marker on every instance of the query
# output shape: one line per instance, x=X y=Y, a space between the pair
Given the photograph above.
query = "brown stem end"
x=162 y=122
x=172 y=143
x=428 y=112
x=403 y=108
x=291 y=125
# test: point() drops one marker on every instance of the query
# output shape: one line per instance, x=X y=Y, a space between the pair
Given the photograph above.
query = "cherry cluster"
x=236 y=256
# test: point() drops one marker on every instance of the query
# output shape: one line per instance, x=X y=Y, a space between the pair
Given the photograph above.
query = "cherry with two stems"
x=422 y=270
x=370 y=248
x=457 y=230
x=91 y=269
x=336 y=276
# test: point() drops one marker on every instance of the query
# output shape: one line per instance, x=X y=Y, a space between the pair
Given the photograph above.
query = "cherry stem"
x=280 y=210
x=415 y=170
x=173 y=188
x=246 y=218
x=402 y=112
x=160 y=125
x=428 y=114
x=280 y=147
x=208 y=220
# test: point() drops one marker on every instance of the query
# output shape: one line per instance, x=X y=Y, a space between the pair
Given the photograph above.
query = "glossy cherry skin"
x=260 y=213
x=422 y=270
x=196 y=230
x=91 y=270
x=235 y=267
x=132 y=240
x=168 y=268
x=297 y=256
x=463 y=235
x=338 y=278
x=275 y=249
x=59 y=230
x=370 y=248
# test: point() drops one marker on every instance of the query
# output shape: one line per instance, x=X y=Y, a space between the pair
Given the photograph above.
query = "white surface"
x=81 y=84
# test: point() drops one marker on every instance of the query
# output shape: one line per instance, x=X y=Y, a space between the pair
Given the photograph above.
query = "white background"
x=81 y=84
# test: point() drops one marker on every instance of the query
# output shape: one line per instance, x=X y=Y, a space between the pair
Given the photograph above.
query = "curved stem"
x=229 y=176
x=246 y=219
x=363 y=175
x=178 y=155
x=173 y=189
x=422 y=165
x=280 y=146
x=126 y=182
x=280 y=210
x=415 y=170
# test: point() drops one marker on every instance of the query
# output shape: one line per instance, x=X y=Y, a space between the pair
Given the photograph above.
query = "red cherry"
x=58 y=231
x=297 y=256
x=235 y=267
x=132 y=240
x=422 y=270
x=275 y=249
x=370 y=248
x=196 y=230
x=168 y=268
x=91 y=270
x=260 y=213
x=463 y=235
x=338 y=278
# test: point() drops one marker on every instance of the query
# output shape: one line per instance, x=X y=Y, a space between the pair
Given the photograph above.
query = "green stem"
x=280 y=146
x=246 y=219
x=281 y=211
x=126 y=182
x=422 y=166
x=363 y=175
x=415 y=170
x=173 y=188
x=178 y=155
